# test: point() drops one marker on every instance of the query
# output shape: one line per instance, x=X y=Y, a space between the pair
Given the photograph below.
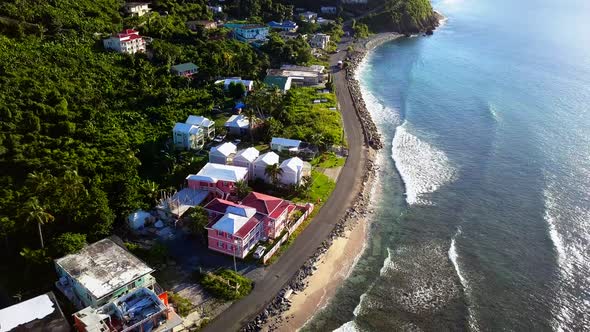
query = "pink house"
x=218 y=179
x=234 y=229
x=129 y=41
x=275 y=211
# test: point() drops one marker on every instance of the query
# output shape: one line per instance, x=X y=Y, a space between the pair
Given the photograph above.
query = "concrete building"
x=293 y=170
x=308 y=16
x=39 y=314
x=237 y=125
x=246 y=158
x=249 y=84
x=204 y=123
x=319 y=40
x=140 y=310
x=100 y=273
x=187 y=136
x=137 y=8
x=284 y=26
x=300 y=75
x=262 y=162
x=220 y=180
x=129 y=41
x=223 y=153
x=201 y=24
x=184 y=69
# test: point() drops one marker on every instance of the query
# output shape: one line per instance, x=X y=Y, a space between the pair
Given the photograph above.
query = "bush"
x=68 y=243
x=217 y=284
x=183 y=306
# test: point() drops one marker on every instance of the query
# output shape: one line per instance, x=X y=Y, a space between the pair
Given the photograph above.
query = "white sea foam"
x=454 y=256
x=387 y=263
x=568 y=226
x=423 y=167
x=358 y=307
x=348 y=327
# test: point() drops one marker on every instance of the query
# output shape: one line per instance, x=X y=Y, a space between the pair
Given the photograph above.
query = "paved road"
x=279 y=273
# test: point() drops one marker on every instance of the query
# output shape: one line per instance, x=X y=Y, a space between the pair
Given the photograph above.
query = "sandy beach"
x=332 y=269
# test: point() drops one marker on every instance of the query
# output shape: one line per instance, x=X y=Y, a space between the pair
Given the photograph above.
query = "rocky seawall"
x=299 y=282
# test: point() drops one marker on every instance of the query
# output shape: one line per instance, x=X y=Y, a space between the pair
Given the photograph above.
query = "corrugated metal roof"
x=189 y=66
x=286 y=142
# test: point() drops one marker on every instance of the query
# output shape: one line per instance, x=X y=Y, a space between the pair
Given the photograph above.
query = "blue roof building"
x=285 y=25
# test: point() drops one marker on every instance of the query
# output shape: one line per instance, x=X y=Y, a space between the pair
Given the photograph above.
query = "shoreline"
x=317 y=281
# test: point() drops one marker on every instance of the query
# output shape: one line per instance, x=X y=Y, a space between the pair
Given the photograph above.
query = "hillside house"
x=308 y=16
x=100 y=273
x=204 y=123
x=263 y=161
x=223 y=154
x=284 y=26
x=237 y=125
x=184 y=69
x=249 y=84
x=246 y=158
x=140 y=310
x=220 y=180
x=284 y=144
x=187 y=136
x=39 y=314
x=319 y=40
x=201 y=24
x=249 y=33
x=293 y=170
x=137 y=8
x=215 y=9
x=129 y=41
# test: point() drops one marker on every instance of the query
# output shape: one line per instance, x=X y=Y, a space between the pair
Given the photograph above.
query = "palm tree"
x=242 y=189
x=273 y=171
x=37 y=214
x=250 y=114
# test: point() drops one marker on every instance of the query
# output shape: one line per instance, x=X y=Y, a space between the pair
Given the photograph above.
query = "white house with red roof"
x=128 y=41
x=218 y=179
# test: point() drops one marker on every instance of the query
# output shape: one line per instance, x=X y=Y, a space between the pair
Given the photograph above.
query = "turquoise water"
x=482 y=217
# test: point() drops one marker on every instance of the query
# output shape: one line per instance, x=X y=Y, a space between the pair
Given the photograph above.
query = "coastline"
x=318 y=280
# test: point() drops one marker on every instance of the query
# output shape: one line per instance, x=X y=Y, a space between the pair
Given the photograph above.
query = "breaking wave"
x=568 y=226
x=422 y=167
x=453 y=256
x=348 y=327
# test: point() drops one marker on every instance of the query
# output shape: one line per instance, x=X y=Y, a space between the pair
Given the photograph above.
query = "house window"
x=220 y=244
x=228 y=235
x=225 y=183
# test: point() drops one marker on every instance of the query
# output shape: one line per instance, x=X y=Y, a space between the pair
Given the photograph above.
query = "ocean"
x=482 y=213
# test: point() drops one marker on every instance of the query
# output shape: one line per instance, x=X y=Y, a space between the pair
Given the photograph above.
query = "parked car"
x=219 y=138
x=259 y=252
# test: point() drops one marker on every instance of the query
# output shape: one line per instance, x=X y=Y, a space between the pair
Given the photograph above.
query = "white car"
x=259 y=252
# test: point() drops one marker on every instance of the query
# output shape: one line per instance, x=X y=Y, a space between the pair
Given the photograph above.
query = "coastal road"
x=277 y=275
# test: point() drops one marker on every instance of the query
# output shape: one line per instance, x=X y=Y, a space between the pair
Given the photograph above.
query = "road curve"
x=348 y=186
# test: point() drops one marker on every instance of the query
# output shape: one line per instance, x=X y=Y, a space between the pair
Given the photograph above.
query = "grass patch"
x=182 y=305
x=319 y=192
x=222 y=284
x=328 y=160
x=155 y=255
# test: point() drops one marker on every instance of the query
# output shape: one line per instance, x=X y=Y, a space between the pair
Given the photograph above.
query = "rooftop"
x=183 y=200
x=226 y=149
x=285 y=142
x=269 y=158
x=250 y=154
x=234 y=219
x=264 y=204
x=189 y=66
x=140 y=310
x=186 y=128
x=212 y=173
x=237 y=121
x=103 y=267
x=199 y=121
x=278 y=81
x=292 y=163
x=41 y=313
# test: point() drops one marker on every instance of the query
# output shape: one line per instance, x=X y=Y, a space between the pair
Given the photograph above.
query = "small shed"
x=137 y=219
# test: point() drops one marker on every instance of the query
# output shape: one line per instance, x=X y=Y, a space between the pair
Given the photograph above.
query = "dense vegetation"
x=84 y=131
x=226 y=284
x=405 y=16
